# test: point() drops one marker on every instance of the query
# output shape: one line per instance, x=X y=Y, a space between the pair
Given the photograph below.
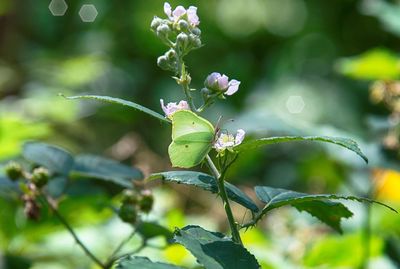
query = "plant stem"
x=72 y=232
x=224 y=196
x=184 y=82
x=113 y=257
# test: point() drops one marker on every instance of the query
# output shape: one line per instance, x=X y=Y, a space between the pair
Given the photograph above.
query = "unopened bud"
x=31 y=208
x=155 y=23
x=13 y=170
x=171 y=54
x=129 y=196
x=196 y=31
x=163 y=62
x=163 y=30
x=183 y=25
x=182 y=40
x=128 y=213
x=146 y=201
x=195 y=41
x=40 y=176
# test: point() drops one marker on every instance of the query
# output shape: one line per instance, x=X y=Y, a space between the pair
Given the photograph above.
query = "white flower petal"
x=192 y=16
x=178 y=12
x=168 y=9
x=239 y=136
x=233 y=87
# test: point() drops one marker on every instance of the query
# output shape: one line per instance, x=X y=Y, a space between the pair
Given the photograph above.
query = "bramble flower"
x=217 y=82
x=228 y=141
x=173 y=107
x=180 y=11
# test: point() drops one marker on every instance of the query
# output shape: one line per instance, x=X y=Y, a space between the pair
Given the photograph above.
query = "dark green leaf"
x=214 y=250
x=318 y=205
x=131 y=262
x=207 y=182
x=96 y=167
x=150 y=230
x=121 y=102
x=344 y=142
x=56 y=159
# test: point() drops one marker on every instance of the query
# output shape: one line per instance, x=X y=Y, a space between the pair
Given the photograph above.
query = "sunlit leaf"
x=318 y=205
x=345 y=251
x=131 y=262
x=20 y=131
x=371 y=65
x=344 y=142
x=207 y=182
x=214 y=250
x=123 y=102
x=56 y=159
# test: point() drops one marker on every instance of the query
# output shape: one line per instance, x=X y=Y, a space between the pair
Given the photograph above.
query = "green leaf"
x=344 y=142
x=131 y=262
x=150 y=230
x=208 y=183
x=96 y=167
x=214 y=250
x=121 y=102
x=56 y=159
x=318 y=205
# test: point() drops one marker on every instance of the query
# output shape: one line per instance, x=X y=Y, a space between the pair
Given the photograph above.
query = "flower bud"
x=155 y=23
x=195 y=41
x=129 y=196
x=40 y=176
x=171 y=54
x=163 y=30
x=183 y=25
x=128 y=213
x=196 y=31
x=182 y=41
x=146 y=201
x=31 y=208
x=163 y=62
x=13 y=170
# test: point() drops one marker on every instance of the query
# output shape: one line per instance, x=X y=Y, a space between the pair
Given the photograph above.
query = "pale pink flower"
x=180 y=11
x=228 y=141
x=170 y=108
x=218 y=82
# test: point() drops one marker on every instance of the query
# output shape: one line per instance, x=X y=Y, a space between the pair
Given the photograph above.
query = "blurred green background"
x=306 y=67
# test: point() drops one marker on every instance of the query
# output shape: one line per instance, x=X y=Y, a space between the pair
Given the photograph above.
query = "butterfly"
x=192 y=139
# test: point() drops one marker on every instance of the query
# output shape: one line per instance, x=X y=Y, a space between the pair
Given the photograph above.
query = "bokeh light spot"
x=295 y=104
x=58 y=7
x=88 y=13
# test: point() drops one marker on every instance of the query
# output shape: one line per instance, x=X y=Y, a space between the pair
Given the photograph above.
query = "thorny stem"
x=184 y=81
x=71 y=231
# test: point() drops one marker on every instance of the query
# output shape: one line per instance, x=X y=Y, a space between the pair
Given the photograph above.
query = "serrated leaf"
x=214 y=250
x=208 y=183
x=318 y=205
x=96 y=167
x=150 y=230
x=54 y=158
x=344 y=142
x=123 y=102
x=131 y=262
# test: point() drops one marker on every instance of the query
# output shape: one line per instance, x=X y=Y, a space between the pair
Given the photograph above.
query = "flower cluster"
x=179 y=32
x=173 y=107
x=228 y=141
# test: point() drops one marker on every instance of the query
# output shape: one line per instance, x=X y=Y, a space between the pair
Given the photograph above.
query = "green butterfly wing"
x=192 y=138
